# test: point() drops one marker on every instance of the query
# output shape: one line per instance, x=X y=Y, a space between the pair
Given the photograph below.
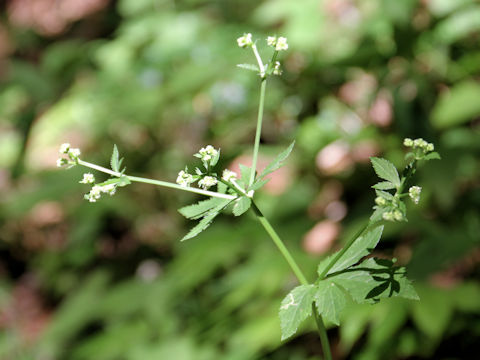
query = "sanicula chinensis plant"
x=346 y=275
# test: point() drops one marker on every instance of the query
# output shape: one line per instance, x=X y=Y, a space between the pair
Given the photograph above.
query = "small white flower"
x=109 y=189
x=207 y=181
x=408 y=142
x=74 y=153
x=276 y=69
x=61 y=162
x=88 y=178
x=245 y=40
x=281 y=44
x=430 y=147
x=414 y=193
x=94 y=194
x=388 y=216
x=184 y=178
x=397 y=215
x=64 y=148
x=207 y=153
x=229 y=175
x=271 y=40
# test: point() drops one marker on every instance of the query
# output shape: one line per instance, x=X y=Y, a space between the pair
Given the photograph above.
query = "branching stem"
x=157 y=182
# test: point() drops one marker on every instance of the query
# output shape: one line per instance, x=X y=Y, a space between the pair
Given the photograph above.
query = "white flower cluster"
x=207 y=182
x=72 y=153
x=208 y=155
x=184 y=178
x=278 y=43
x=245 y=40
x=414 y=193
x=97 y=190
x=229 y=175
x=276 y=69
x=419 y=144
x=88 y=178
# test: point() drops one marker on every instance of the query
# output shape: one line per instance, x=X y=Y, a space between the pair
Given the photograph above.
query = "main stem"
x=298 y=273
x=258 y=131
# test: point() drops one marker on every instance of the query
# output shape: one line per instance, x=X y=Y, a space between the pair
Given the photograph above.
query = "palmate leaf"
x=375 y=279
x=360 y=248
x=330 y=300
x=207 y=219
x=386 y=170
x=295 y=308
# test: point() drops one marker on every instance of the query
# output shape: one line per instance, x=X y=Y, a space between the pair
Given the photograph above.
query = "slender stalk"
x=157 y=182
x=298 y=273
x=322 y=333
x=258 y=131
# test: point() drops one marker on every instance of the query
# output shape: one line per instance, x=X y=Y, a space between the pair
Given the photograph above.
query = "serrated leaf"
x=384 y=194
x=258 y=184
x=215 y=159
x=432 y=156
x=384 y=185
x=245 y=173
x=250 y=67
x=196 y=211
x=295 y=308
x=375 y=279
x=241 y=205
x=360 y=248
x=386 y=170
x=277 y=162
x=378 y=213
x=206 y=220
x=330 y=300
x=114 y=160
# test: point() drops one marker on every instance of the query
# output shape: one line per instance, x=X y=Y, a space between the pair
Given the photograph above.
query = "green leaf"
x=457 y=106
x=330 y=300
x=250 y=67
x=295 y=308
x=384 y=185
x=245 y=173
x=277 y=162
x=385 y=170
x=207 y=219
x=115 y=162
x=360 y=248
x=432 y=156
x=124 y=181
x=258 y=184
x=241 y=205
x=374 y=279
x=384 y=194
x=196 y=211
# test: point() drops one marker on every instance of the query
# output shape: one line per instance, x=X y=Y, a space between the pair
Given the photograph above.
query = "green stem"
x=156 y=182
x=322 y=333
x=258 y=131
x=298 y=273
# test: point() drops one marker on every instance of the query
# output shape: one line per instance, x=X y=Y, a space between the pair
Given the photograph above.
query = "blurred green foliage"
x=111 y=281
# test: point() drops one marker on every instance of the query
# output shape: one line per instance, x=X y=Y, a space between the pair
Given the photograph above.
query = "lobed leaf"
x=384 y=185
x=374 y=279
x=360 y=248
x=330 y=300
x=115 y=162
x=207 y=219
x=295 y=308
x=386 y=170
x=277 y=162
x=196 y=211
x=242 y=204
